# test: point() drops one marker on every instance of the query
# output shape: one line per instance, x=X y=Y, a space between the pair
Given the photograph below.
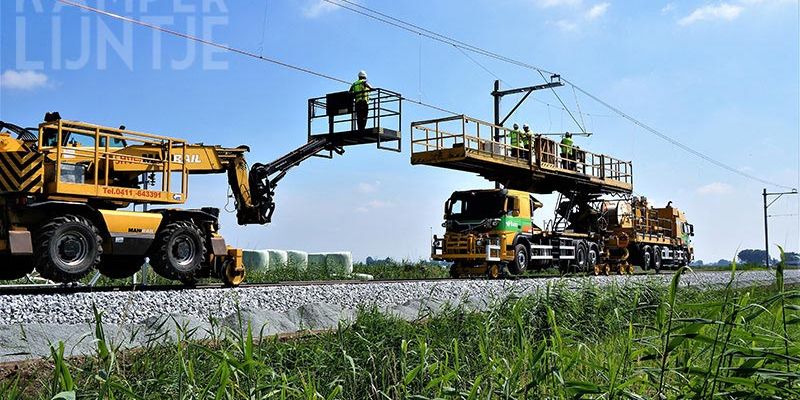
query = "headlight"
x=495 y=222
x=479 y=242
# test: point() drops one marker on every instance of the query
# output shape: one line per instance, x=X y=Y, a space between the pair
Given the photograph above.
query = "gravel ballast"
x=29 y=323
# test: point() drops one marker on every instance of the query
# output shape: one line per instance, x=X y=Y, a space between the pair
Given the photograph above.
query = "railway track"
x=52 y=289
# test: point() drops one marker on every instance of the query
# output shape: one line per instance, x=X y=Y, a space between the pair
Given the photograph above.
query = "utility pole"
x=766 y=217
x=766 y=227
x=497 y=94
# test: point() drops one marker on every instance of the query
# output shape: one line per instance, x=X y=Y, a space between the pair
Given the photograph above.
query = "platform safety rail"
x=335 y=114
x=539 y=152
x=82 y=159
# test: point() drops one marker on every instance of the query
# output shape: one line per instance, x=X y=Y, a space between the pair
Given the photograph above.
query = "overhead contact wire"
x=454 y=42
x=233 y=49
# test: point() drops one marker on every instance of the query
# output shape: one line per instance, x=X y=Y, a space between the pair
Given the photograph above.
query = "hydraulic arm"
x=254 y=193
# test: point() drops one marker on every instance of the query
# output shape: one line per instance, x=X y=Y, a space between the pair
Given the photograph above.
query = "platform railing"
x=384 y=111
x=93 y=151
x=470 y=133
x=547 y=154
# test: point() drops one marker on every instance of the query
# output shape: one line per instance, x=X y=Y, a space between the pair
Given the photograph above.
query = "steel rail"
x=60 y=289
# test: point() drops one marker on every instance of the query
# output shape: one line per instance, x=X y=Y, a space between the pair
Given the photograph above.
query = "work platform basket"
x=540 y=165
x=333 y=117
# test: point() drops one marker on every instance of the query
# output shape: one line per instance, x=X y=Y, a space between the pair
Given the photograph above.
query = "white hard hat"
x=516 y=126
x=362 y=74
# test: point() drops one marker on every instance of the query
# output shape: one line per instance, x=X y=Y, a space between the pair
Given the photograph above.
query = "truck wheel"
x=178 y=252
x=657 y=258
x=581 y=256
x=521 y=259
x=67 y=248
x=647 y=257
x=120 y=267
x=455 y=272
x=593 y=255
x=15 y=267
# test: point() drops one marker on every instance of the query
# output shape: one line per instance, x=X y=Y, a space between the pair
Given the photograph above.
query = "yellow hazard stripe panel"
x=21 y=172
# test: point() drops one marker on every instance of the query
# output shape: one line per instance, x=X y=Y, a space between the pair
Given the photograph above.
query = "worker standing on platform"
x=515 y=141
x=360 y=90
x=526 y=138
x=566 y=151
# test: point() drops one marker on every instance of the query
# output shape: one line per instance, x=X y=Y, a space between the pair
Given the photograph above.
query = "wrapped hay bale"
x=339 y=264
x=297 y=260
x=278 y=259
x=316 y=262
x=255 y=260
x=363 y=277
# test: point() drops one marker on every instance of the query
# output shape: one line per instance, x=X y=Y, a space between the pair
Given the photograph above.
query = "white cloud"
x=566 y=25
x=721 y=11
x=23 y=80
x=318 y=8
x=380 y=204
x=597 y=11
x=558 y=3
x=670 y=7
x=366 y=187
x=715 y=188
x=374 y=205
x=590 y=14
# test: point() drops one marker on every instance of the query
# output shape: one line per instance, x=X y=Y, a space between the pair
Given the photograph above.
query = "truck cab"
x=492 y=232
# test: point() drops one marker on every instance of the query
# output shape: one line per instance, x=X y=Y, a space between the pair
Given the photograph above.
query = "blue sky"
x=720 y=76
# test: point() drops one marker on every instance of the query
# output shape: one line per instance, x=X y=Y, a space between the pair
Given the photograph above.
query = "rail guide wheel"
x=231 y=274
x=494 y=271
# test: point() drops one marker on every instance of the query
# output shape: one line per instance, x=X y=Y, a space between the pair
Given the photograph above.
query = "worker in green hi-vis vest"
x=567 y=151
x=360 y=90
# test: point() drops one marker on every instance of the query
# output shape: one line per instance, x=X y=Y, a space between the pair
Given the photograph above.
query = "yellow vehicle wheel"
x=67 y=248
x=231 y=274
x=599 y=269
x=494 y=271
x=178 y=251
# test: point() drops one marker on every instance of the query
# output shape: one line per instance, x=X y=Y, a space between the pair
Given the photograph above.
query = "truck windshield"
x=476 y=206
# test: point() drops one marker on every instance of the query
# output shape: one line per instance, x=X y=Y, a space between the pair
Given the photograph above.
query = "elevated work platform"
x=542 y=165
x=333 y=118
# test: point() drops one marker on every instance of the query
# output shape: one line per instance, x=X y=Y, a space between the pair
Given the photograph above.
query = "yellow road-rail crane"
x=69 y=193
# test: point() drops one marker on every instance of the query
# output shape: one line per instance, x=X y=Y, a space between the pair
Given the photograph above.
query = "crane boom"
x=257 y=205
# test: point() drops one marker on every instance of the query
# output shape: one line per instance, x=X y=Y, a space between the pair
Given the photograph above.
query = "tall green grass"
x=635 y=341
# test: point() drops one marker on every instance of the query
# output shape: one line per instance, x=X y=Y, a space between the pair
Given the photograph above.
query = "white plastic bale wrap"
x=340 y=264
x=363 y=277
x=278 y=259
x=255 y=260
x=297 y=260
x=317 y=262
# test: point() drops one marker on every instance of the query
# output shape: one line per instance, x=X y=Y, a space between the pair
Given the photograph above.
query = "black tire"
x=454 y=271
x=684 y=259
x=178 y=252
x=67 y=248
x=120 y=267
x=593 y=256
x=581 y=256
x=646 y=254
x=521 y=260
x=657 y=259
x=15 y=267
